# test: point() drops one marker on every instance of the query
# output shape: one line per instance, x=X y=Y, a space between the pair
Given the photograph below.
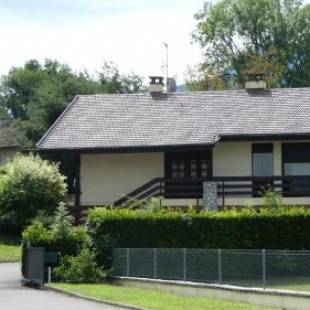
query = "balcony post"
x=210 y=197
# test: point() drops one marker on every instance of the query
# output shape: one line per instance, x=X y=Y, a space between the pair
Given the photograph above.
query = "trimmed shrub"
x=276 y=228
x=29 y=184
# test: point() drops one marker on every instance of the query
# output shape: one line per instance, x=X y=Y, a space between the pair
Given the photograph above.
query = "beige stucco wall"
x=232 y=159
x=107 y=177
x=235 y=158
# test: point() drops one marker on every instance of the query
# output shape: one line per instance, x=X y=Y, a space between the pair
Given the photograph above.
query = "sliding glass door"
x=262 y=166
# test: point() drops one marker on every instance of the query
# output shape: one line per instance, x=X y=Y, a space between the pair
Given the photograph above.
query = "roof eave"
x=133 y=149
x=264 y=137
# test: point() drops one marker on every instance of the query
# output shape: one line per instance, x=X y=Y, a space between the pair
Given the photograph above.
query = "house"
x=204 y=148
x=7 y=148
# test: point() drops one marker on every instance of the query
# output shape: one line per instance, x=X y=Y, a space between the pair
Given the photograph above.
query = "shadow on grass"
x=10 y=239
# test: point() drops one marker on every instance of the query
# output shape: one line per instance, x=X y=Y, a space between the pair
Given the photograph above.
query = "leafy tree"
x=36 y=94
x=270 y=69
x=29 y=184
x=112 y=81
x=204 y=78
x=277 y=32
x=18 y=88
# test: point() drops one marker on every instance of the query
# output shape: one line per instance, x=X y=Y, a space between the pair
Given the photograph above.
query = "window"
x=204 y=168
x=262 y=156
x=296 y=162
x=262 y=166
x=297 y=168
x=192 y=166
x=296 y=158
x=188 y=165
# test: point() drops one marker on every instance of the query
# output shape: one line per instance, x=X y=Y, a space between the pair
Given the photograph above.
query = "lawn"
x=10 y=249
x=152 y=299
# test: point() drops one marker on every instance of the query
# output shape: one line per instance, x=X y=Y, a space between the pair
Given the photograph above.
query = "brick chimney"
x=254 y=81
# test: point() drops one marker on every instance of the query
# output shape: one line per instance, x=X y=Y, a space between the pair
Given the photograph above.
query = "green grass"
x=10 y=249
x=152 y=299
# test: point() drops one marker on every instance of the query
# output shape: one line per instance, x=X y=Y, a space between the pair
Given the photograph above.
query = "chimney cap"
x=156 y=85
x=156 y=79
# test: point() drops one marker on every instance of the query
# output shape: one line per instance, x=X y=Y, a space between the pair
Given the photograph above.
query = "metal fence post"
x=264 y=268
x=220 y=265
x=128 y=261
x=49 y=275
x=184 y=265
x=155 y=263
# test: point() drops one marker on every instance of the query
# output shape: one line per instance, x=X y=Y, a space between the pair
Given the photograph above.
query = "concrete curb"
x=5 y=261
x=233 y=288
x=101 y=301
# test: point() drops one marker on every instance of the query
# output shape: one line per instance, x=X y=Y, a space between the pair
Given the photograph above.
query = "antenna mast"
x=167 y=63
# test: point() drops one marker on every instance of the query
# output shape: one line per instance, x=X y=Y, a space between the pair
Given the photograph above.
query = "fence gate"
x=34 y=266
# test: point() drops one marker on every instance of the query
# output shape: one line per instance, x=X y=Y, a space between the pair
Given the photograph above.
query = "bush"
x=73 y=244
x=60 y=236
x=282 y=228
x=29 y=184
x=272 y=199
x=79 y=269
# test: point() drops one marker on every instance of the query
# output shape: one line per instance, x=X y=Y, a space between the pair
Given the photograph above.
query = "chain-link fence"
x=255 y=268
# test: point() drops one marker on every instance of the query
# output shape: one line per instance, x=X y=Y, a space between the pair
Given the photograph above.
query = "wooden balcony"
x=243 y=186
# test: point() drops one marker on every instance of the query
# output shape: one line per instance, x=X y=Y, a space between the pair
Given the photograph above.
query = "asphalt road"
x=15 y=297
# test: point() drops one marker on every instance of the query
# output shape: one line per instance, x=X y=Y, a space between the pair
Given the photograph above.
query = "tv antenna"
x=166 y=65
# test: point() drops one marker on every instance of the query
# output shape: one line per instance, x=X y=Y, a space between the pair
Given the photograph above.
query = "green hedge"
x=283 y=228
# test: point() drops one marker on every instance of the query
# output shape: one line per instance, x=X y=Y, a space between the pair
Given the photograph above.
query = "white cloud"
x=133 y=40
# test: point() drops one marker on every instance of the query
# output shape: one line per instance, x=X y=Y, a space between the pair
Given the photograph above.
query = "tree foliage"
x=276 y=32
x=202 y=78
x=36 y=94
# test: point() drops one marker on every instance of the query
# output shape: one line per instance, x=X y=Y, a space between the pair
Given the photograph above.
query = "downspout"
x=78 y=180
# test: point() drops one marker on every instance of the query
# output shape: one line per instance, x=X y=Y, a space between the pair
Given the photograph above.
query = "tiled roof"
x=117 y=121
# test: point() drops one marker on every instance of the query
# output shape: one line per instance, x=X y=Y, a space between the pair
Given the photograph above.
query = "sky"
x=84 y=33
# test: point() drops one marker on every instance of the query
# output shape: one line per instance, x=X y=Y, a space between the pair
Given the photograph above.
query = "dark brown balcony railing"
x=244 y=186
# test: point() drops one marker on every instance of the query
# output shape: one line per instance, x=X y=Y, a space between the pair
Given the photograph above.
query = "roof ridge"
x=203 y=93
